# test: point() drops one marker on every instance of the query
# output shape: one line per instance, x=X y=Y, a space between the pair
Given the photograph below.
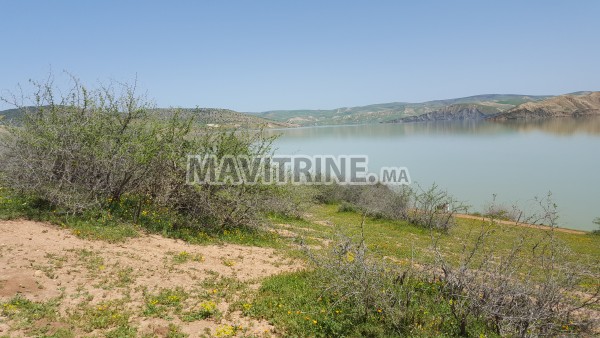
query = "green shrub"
x=347 y=207
x=375 y=200
x=106 y=151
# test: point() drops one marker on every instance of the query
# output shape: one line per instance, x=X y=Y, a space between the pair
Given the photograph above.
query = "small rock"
x=38 y=273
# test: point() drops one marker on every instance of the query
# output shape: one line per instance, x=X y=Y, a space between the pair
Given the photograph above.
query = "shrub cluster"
x=105 y=149
x=430 y=208
x=530 y=290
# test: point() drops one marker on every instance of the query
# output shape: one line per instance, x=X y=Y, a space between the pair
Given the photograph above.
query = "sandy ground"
x=42 y=262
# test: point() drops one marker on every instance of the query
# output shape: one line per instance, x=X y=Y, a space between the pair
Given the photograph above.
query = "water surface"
x=517 y=161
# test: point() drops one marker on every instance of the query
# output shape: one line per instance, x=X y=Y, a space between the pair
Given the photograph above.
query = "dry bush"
x=432 y=208
x=370 y=286
x=85 y=149
x=531 y=289
x=376 y=200
x=502 y=212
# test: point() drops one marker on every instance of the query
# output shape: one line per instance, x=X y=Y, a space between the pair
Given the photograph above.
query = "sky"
x=255 y=56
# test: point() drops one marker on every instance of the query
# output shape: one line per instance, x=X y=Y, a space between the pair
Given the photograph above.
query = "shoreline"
x=520 y=224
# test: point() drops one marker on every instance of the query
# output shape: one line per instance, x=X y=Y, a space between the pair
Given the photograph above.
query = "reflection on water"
x=517 y=160
x=557 y=126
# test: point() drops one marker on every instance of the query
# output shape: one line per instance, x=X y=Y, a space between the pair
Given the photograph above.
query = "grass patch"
x=102 y=316
x=404 y=241
x=292 y=302
x=184 y=257
x=165 y=303
x=124 y=331
x=205 y=309
x=175 y=332
x=117 y=222
x=225 y=288
x=35 y=317
x=92 y=261
x=94 y=225
x=113 y=233
x=258 y=237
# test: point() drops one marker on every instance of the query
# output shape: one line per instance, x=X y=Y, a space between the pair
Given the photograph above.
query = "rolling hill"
x=454 y=112
x=217 y=117
x=497 y=107
x=395 y=111
x=572 y=105
x=212 y=117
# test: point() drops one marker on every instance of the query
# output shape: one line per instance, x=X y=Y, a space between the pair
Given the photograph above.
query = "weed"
x=103 y=315
x=204 y=310
x=165 y=302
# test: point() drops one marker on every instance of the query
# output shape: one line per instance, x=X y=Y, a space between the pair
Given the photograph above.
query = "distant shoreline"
x=521 y=224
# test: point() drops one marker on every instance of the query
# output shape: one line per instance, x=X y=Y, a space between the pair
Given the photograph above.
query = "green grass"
x=105 y=315
x=28 y=315
x=94 y=225
x=404 y=241
x=184 y=257
x=165 y=303
x=117 y=223
x=293 y=303
x=206 y=309
x=93 y=230
x=123 y=331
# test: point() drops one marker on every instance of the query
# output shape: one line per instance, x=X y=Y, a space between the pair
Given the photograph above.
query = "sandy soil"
x=42 y=262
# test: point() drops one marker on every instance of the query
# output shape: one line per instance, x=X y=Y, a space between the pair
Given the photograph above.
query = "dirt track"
x=535 y=226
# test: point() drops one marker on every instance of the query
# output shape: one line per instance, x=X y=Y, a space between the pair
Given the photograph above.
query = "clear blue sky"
x=263 y=55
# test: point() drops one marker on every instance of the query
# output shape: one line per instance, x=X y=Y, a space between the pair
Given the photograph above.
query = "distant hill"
x=9 y=115
x=454 y=112
x=395 y=111
x=577 y=104
x=490 y=106
x=217 y=117
x=212 y=117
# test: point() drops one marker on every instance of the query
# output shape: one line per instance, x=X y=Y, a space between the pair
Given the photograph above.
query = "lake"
x=517 y=161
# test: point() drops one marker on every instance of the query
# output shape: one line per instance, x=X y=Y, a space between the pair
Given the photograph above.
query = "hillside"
x=395 y=111
x=214 y=117
x=455 y=112
x=10 y=115
x=559 y=106
x=498 y=107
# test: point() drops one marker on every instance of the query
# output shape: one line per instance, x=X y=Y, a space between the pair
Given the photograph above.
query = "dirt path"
x=535 y=226
x=43 y=262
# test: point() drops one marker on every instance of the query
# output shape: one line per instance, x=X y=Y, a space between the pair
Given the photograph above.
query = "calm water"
x=474 y=160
